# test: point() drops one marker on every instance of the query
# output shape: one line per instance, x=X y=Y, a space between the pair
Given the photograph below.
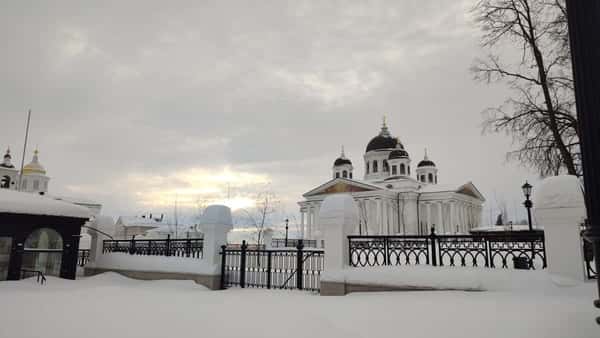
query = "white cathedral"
x=33 y=178
x=390 y=200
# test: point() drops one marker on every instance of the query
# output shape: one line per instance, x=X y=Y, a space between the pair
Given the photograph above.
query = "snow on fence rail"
x=272 y=269
x=188 y=247
x=487 y=250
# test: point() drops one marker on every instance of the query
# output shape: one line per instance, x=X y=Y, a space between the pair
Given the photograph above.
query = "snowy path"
x=109 y=305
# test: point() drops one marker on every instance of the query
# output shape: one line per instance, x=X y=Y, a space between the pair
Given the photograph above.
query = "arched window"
x=350 y=174
x=386 y=166
x=435 y=179
x=337 y=174
x=374 y=166
x=5 y=182
x=394 y=171
x=43 y=251
x=422 y=178
x=345 y=174
x=409 y=170
x=430 y=178
x=402 y=169
x=367 y=167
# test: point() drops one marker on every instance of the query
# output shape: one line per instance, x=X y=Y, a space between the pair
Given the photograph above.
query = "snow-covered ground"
x=110 y=305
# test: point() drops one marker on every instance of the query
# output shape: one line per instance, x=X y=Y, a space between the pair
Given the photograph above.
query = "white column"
x=309 y=220
x=379 y=218
x=441 y=218
x=316 y=220
x=428 y=218
x=301 y=224
x=391 y=224
x=452 y=222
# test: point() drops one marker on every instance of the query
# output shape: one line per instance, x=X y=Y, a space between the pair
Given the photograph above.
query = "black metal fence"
x=187 y=247
x=523 y=250
x=588 y=257
x=293 y=242
x=272 y=269
x=83 y=257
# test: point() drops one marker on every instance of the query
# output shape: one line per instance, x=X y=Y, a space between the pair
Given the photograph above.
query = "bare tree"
x=265 y=206
x=540 y=116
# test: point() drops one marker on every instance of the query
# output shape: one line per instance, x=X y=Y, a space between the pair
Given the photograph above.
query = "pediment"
x=469 y=189
x=341 y=185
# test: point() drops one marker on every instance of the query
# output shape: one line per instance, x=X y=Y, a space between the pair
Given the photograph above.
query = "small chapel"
x=33 y=178
x=394 y=196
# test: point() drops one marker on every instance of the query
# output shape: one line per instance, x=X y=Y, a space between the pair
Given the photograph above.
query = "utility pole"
x=24 y=150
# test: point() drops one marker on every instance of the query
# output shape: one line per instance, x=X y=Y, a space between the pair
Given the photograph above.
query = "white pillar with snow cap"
x=215 y=224
x=268 y=238
x=560 y=208
x=338 y=218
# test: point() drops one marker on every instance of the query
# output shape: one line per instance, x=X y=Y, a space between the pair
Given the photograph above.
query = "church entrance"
x=43 y=252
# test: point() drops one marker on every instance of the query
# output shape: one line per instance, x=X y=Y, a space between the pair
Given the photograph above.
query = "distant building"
x=390 y=200
x=34 y=178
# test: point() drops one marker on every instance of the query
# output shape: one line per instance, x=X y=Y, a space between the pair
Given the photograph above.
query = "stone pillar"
x=318 y=232
x=429 y=223
x=441 y=218
x=378 y=217
x=216 y=223
x=560 y=208
x=268 y=238
x=339 y=216
x=452 y=221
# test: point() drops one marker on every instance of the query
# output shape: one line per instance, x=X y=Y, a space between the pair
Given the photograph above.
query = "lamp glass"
x=526 y=189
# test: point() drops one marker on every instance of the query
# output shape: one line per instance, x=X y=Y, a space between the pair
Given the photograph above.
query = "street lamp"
x=286 y=232
x=528 y=204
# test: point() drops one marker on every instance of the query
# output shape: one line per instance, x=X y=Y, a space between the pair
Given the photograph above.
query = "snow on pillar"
x=560 y=208
x=104 y=224
x=268 y=238
x=215 y=224
x=338 y=216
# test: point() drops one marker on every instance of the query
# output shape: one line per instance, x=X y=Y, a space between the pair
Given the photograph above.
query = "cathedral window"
x=374 y=166
x=402 y=169
x=386 y=166
x=5 y=183
x=408 y=170
x=337 y=175
x=394 y=171
x=345 y=174
x=350 y=174
x=422 y=178
x=430 y=178
x=367 y=167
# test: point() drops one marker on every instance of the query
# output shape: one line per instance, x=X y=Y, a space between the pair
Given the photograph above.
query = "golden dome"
x=34 y=167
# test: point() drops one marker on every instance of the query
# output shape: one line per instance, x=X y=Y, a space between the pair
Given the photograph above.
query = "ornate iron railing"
x=83 y=257
x=188 y=247
x=493 y=250
x=293 y=242
x=272 y=269
x=26 y=273
x=588 y=257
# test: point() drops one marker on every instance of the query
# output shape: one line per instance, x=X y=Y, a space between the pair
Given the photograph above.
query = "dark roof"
x=383 y=142
x=6 y=166
x=426 y=163
x=398 y=153
x=341 y=161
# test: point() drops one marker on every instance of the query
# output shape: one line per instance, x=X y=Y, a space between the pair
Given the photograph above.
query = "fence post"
x=243 y=265
x=269 y=269
x=385 y=251
x=433 y=248
x=299 y=264
x=188 y=247
x=488 y=253
x=168 y=245
x=132 y=245
x=223 y=263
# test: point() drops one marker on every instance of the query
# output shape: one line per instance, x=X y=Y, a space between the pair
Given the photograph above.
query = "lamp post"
x=286 y=232
x=528 y=204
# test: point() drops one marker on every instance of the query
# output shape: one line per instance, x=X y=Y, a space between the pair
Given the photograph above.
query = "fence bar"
x=433 y=251
x=299 y=265
x=243 y=265
x=269 y=265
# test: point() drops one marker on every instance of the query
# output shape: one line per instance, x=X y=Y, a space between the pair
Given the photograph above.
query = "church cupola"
x=399 y=162
x=379 y=148
x=6 y=163
x=34 y=176
x=342 y=167
x=427 y=171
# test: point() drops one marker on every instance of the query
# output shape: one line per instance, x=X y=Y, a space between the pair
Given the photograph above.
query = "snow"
x=563 y=191
x=507 y=227
x=449 y=278
x=110 y=305
x=16 y=202
x=125 y=261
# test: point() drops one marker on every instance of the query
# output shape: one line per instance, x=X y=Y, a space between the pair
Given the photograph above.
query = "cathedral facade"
x=395 y=197
x=33 y=178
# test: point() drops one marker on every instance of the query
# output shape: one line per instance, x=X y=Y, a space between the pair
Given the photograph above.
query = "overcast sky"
x=135 y=102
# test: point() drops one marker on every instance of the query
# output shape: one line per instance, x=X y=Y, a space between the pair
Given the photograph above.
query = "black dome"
x=341 y=161
x=398 y=153
x=382 y=142
x=426 y=163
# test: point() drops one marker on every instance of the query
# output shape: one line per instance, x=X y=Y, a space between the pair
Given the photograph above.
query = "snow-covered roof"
x=76 y=200
x=503 y=228
x=130 y=221
x=15 y=202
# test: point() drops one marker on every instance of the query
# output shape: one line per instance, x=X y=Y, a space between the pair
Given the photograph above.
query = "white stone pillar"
x=379 y=218
x=452 y=221
x=216 y=223
x=339 y=216
x=559 y=207
x=441 y=218
x=301 y=223
x=429 y=224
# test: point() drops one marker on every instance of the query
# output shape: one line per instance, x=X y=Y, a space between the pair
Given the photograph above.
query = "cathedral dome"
x=398 y=153
x=426 y=163
x=34 y=167
x=341 y=161
x=384 y=140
